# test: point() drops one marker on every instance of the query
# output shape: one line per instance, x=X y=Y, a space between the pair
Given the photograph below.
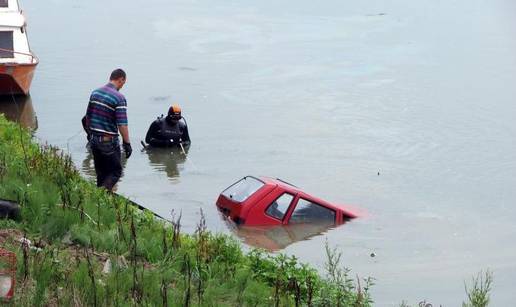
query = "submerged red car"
x=265 y=201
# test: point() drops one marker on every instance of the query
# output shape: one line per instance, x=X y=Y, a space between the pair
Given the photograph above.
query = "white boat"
x=17 y=62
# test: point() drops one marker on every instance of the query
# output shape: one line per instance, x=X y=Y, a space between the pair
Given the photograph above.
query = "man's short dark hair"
x=117 y=74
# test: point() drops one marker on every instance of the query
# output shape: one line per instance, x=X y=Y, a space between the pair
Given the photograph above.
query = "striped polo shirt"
x=107 y=110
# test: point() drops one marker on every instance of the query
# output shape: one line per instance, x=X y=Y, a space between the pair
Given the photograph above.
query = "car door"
x=307 y=210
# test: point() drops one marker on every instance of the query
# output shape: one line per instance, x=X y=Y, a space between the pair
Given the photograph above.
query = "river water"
x=405 y=109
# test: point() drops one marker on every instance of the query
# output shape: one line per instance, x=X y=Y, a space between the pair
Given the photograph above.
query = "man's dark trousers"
x=107 y=158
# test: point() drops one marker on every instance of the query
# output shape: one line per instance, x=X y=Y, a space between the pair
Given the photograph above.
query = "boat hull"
x=16 y=78
x=19 y=108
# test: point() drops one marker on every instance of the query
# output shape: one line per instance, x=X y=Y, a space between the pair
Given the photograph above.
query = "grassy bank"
x=77 y=245
x=90 y=248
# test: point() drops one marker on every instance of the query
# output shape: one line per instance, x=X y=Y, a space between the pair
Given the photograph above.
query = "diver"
x=169 y=131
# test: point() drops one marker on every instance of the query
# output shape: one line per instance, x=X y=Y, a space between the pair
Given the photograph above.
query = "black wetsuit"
x=166 y=132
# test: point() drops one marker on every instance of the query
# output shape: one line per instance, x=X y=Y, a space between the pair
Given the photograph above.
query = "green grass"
x=478 y=292
x=75 y=228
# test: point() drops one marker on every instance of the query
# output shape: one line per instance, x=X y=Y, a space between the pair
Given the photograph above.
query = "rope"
x=71 y=138
x=187 y=158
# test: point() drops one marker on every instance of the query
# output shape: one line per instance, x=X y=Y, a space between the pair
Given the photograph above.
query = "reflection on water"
x=327 y=97
x=88 y=166
x=168 y=160
x=277 y=237
x=19 y=109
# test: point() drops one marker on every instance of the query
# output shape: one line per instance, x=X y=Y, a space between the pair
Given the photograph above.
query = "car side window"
x=279 y=207
x=307 y=212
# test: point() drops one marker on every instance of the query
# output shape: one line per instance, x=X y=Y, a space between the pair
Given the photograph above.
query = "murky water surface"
x=405 y=109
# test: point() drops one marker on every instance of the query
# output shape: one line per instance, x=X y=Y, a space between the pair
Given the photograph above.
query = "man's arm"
x=124 y=131
x=186 y=136
x=121 y=121
x=151 y=132
x=86 y=118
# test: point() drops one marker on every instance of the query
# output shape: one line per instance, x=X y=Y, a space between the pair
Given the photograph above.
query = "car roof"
x=279 y=182
x=292 y=188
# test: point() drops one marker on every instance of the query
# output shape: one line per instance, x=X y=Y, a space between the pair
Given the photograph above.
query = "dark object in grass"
x=9 y=209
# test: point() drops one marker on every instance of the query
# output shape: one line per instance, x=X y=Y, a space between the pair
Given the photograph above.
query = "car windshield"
x=242 y=189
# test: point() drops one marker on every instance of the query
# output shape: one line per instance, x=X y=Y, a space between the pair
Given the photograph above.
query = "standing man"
x=105 y=117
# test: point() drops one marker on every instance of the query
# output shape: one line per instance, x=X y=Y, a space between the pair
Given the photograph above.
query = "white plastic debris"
x=122 y=262
x=25 y=241
x=6 y=284
x=67 y=239
x=37 y=249
x=107 y=267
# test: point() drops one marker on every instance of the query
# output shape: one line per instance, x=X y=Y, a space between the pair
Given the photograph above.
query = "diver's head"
x=174 y=113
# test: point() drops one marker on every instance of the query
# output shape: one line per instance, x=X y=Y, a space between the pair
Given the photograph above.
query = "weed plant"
x=92 y=248
x=478 y=292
